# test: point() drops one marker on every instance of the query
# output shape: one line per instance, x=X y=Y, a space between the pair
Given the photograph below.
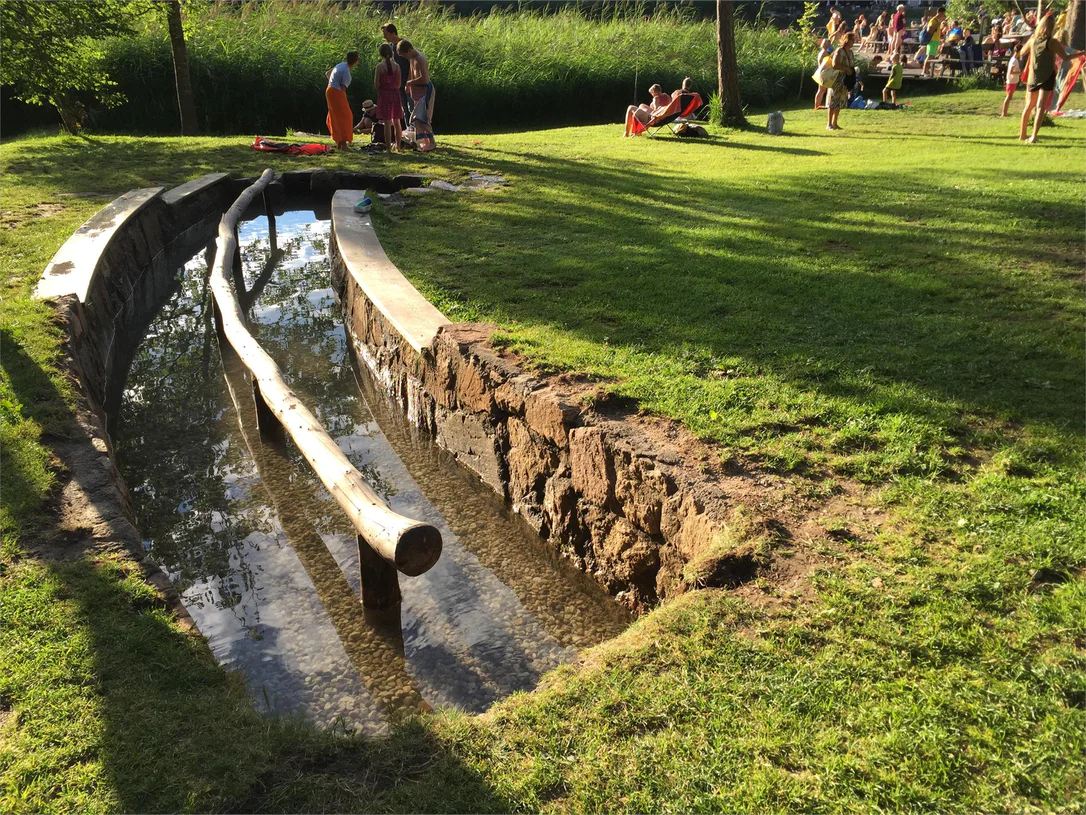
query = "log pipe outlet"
x=411 y=546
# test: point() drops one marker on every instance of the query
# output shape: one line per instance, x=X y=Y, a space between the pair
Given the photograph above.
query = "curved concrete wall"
x=112 y=275
x=105 y=284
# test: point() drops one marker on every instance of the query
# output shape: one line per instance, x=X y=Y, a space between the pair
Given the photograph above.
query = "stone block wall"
x=617 y=502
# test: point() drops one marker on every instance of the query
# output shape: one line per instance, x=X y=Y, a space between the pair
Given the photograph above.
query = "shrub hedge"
x=260 y=68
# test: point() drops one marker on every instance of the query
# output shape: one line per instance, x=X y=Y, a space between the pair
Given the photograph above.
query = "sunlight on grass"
x=900 y=304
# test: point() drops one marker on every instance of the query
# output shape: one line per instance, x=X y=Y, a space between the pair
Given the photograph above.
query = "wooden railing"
x=410 y=546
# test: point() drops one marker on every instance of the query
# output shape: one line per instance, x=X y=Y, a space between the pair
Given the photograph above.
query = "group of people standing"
x=405 y=94
x=1037 y=55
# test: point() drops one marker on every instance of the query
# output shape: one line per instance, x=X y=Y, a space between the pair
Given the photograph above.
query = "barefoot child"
x=386 y=79
x=893 y=84
x=1014 y=75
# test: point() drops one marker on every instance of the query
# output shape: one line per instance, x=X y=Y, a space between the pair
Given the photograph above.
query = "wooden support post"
x=266 y=420
x=380 y=583
x=238 y=274
x=270 y=212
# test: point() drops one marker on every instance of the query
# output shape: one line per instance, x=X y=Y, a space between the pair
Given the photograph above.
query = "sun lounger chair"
x=685 y=107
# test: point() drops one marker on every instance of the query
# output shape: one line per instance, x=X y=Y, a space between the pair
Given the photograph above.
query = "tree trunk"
x=72 y=113
x=727 y=72
x=1074 y=32
x=185 y=102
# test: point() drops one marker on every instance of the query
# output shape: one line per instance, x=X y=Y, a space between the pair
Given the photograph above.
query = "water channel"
x=265 y=560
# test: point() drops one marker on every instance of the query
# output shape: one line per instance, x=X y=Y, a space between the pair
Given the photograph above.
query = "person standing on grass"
x=893 y=84
x=897 y=29
x=845 y=64
x=825 y=49
x=340 y=121
x=392 y=37
x=422 y=96
x=1042 y=49
x=1014 y=75
x=935 y=38
x=386 y=79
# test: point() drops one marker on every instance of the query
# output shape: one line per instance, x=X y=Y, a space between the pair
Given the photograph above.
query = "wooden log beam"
x=372 y=639
x=409 y=545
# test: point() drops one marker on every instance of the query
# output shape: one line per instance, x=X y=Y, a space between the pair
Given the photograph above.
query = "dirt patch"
x=48 y=210
x=840 y=246
x=91 y=510
x=13 y=219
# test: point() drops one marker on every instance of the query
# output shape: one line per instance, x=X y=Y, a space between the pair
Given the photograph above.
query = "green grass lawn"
x=897 y=305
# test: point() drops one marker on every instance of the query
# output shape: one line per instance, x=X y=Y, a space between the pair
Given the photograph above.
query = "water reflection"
x=264 y=557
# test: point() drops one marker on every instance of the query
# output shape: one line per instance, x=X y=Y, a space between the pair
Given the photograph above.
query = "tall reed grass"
x=260 y=67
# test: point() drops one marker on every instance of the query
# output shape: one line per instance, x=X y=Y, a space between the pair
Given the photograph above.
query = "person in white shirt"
x=340 y=121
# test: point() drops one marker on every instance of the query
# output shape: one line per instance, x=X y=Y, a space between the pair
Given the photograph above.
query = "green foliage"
x=261 y=67
x=805 y=30
x=53 y=50
x=966 y=10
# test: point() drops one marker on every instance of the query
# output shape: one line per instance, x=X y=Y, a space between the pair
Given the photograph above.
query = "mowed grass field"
x=894 y=311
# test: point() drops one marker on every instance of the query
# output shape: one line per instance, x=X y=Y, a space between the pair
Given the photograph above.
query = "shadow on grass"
x=178 y=733
x=951 y=302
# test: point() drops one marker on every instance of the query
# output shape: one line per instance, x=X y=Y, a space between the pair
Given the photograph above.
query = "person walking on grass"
x=340 y=121
x=893 y=84
x=386 y=79
x=934 y=30
x=1041 y=49
x=844 y=63
x=392 y=37
x=1014 y=75
x=825 y=49
x=422 y=96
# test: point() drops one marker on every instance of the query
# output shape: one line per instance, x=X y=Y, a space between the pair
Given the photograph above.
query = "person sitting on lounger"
x=644 y=113
x=686 y=87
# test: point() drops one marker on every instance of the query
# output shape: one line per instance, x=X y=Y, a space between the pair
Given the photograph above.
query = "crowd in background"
x=1016 y=43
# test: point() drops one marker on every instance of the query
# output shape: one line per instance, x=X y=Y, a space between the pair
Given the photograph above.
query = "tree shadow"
x=914 y=312
x=179 y=732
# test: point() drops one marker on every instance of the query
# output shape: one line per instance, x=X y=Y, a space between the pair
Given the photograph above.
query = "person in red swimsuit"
x=386 y=79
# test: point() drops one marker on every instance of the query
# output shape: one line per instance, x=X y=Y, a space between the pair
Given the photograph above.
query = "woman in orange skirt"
x=340 y=121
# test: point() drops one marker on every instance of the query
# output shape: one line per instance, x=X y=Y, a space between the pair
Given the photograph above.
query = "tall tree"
x=1075 y=28
x=51 y=52
x=727 y=71
x=185 y=102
